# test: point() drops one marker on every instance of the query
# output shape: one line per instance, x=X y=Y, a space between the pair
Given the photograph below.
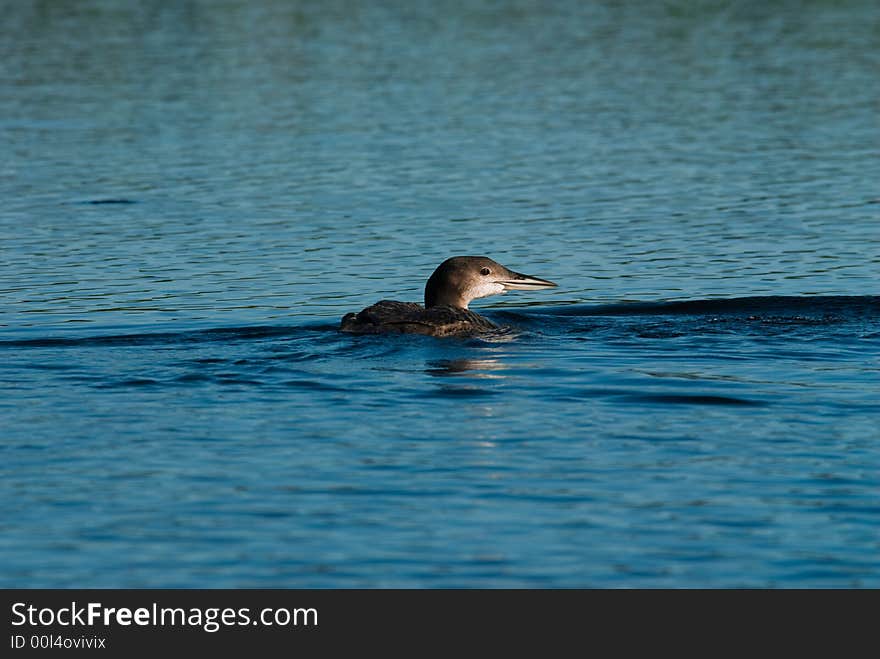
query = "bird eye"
x=484 y=271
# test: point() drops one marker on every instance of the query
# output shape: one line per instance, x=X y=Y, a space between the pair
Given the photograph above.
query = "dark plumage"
x=389 y=317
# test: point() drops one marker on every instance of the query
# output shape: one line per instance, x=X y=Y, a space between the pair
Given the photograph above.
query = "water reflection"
x=474 y=368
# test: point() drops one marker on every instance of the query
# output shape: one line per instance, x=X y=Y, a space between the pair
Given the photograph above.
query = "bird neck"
x=435 y=298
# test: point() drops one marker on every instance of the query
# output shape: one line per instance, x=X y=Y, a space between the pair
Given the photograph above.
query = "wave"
x=803 y=309
x=842 y=306
x=223 y=334
x=797 y=309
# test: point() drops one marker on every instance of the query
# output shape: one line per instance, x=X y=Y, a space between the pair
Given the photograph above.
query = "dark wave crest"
x=818 y=310
x=223 y=335
x=778 y=305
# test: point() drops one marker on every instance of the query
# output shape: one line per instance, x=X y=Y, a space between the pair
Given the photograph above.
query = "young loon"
x=456 y=282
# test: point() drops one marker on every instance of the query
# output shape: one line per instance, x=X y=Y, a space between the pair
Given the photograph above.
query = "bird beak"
x=514 y=281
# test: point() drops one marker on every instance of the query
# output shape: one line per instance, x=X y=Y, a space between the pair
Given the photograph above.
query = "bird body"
x=389 y=317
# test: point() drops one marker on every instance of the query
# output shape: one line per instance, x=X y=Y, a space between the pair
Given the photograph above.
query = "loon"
x=455 y=282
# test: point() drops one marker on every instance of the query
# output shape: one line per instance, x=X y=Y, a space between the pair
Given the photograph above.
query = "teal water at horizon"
x=195 y=193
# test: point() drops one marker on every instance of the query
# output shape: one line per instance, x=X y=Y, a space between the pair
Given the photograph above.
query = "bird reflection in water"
x=475 y=368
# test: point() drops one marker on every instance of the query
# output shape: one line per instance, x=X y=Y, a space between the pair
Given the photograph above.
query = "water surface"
x=195 y=193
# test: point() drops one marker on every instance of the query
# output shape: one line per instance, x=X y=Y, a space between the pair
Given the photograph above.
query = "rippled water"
x=194 y=193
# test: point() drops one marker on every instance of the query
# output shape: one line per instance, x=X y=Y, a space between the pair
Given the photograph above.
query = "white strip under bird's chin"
x=485 y=289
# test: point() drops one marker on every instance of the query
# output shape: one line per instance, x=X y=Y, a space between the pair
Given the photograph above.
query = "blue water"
x=194 y=193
